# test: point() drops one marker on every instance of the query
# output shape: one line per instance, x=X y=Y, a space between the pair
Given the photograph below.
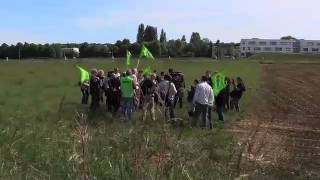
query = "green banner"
x=84 y=75
x=218 y=83
x=145 y=53
x=129 y=58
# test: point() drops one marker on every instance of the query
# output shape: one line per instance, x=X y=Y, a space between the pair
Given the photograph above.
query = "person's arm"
x=174 y=88
x=196 y=94
x=134 y=85
x=211 y=97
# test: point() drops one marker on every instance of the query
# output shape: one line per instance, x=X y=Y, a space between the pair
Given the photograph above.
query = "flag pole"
x=138 y=63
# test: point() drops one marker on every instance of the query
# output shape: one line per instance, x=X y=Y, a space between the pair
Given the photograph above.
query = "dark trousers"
x=169 y=109
x=85 y=96
x=116 y=99
x=228 y=101
x=178 y=98
x=220 y=112
x=203 y=110
x=109 y=100
x=210 y=116
x=234 y=104
x=95 y=101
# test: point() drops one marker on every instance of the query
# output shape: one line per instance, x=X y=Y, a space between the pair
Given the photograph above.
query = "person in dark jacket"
x=94 y=90
x=115 y=93
x=108 y=90
x=237 y=93
x=101 y=81
x=178 y=81
x=220 y=101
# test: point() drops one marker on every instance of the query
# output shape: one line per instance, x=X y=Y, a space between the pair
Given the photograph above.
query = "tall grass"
x=40 y=139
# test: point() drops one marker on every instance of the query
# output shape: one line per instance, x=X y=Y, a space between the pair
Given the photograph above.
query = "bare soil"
x=283 y=128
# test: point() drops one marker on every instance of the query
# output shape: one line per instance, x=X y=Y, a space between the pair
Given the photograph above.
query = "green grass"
x=38 y=103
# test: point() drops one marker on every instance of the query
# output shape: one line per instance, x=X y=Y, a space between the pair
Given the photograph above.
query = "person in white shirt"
x=167 y=94
x=203 y=97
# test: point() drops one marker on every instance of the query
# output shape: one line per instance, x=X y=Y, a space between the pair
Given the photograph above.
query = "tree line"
x=146 y=35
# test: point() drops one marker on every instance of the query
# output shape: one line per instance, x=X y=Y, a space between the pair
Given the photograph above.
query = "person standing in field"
x=202 y=98
x=85 y=92
x=208 y=75
x=149 y=87
x=167 y=94
x=101 y=81
x=114 y=85
x=228 y=88
x=94 y=90
x=108 y=91
x=127 y=94
x=236 y=94
x=117 y=72
x=178 y=81
x=137 y=89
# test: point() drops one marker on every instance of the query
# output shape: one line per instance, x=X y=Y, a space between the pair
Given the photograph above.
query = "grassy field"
x=40 y=138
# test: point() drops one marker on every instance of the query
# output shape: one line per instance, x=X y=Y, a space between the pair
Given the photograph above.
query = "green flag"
x=129 y=58
x=84 y=75
x=147 y=71
x=218 y=83
x=146 y=53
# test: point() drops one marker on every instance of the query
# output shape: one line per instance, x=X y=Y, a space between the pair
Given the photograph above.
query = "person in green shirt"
x=127 y=95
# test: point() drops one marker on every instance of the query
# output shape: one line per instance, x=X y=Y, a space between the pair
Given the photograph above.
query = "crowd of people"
x=133 y=91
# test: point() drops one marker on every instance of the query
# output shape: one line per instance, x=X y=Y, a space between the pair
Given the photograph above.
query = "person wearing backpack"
x=167 y=93
x=148 y=87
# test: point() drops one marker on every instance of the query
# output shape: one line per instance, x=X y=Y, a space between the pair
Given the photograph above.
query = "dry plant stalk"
x=80 y=154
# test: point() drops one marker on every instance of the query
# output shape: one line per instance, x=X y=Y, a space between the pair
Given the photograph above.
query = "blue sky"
x=48 y=21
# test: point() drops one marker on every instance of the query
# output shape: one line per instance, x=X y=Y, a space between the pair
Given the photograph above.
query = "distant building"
x=253 y=46
x=70 y=52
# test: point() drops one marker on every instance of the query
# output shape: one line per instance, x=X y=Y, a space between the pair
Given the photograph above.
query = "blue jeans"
x=127 y=108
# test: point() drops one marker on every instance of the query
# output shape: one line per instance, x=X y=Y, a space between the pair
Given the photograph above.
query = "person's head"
x=100 y=73
x=135 y=71
x=195 y=82
x=155 y=71
x=204 y=78
x=170 y=71
x=94 y=72
x=239 y=80
x=153 y=76
x=167 y=77
x=128 y=73
x=109 y=74
x=123 y=74
x=116 y=70
x=162 y=73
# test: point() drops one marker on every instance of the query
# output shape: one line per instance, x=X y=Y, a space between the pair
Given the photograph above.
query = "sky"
x=102 y=21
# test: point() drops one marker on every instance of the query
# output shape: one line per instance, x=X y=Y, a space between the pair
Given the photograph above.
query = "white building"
x=310 y=46
x=254 y=46
x=70 y=52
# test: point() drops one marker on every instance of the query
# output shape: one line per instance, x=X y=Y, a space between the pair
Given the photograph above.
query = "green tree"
x=140 y=34
x=150 y=34
x=183 y=39
x=163 y=37
x=288 y=38
x=196 y=42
